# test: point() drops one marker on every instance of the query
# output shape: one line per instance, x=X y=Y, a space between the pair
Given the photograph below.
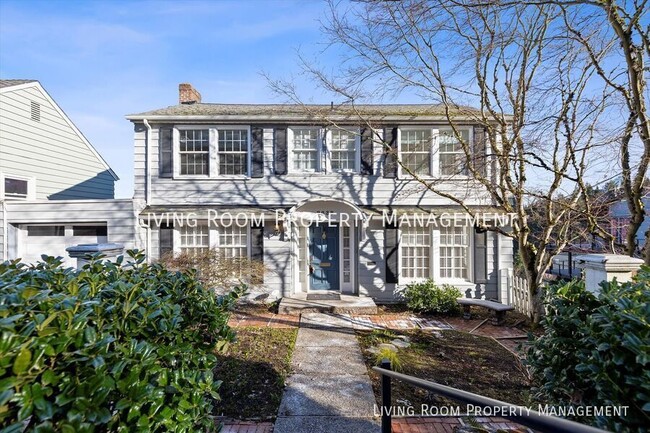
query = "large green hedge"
x=595 y=351
x=113 y=347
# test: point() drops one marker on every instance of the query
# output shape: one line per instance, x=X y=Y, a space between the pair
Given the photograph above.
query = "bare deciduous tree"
x=530 y=81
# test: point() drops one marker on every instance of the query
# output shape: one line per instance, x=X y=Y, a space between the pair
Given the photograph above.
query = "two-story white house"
x=317 y=194
x=55 y=189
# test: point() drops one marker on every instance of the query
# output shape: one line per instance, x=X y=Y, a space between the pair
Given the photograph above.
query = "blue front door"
x=323 y=257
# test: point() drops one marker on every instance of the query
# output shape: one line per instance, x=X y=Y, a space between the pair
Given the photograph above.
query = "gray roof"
x=294 y=111
x=9 y=83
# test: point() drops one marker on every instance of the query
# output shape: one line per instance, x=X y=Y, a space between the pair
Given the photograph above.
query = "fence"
x=515 y=290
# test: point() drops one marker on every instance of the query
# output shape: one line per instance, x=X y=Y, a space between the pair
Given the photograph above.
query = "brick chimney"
x=188 y=94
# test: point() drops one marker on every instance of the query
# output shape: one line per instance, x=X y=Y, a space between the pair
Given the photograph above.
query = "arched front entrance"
x=325 y=236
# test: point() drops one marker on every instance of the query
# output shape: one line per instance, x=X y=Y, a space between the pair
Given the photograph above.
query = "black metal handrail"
x=524 y=416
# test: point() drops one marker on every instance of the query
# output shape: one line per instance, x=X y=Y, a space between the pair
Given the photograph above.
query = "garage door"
x=35 y=240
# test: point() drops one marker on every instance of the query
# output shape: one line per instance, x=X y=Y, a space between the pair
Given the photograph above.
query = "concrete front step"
x=348 y=304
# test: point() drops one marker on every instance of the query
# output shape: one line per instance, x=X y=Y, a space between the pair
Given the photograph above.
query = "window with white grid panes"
x=194 y=150
x=232 y=151
x=194 y=239
x=415 y=246
x=347 y=255
x=454 y=247
x=233 y=241
x=415 y=150
x=343 y=150
x=304 y=148
x=452 y=158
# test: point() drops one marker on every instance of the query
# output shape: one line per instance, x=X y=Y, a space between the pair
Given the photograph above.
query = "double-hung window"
x=433 y=152
x=415 y=245
x=452 y=158
x=306 y=149
x=314 y=149
x=230 y=242
x=233 y=241
x=415 y=150
x=194 y=149
x=454 y=247
x=212 y=152
x=344 y=149
x=233 y=151
x=194 y=239
x=441 y=253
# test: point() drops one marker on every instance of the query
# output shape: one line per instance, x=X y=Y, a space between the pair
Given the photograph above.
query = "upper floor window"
x=194 y=149
x=415 y=149
x=16 y=187
x=433 y=152
x=452 y=156
x=212 y=152
x=305 y=143
x=232 y=152
x=314 y=149
x=344 y=150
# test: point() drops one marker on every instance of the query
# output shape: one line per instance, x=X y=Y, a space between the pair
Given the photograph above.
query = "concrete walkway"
x=329 y=389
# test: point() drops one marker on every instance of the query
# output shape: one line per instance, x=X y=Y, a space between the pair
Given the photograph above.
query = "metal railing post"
x=386 y=413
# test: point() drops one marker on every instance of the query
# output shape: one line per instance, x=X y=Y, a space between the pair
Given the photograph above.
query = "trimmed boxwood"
x=119 y=347
x=427 y=297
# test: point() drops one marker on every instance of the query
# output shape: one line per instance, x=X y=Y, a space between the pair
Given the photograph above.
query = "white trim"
x=319 y=149
x=65 y=117
x=434 y=264
x=213 y=151
x=357 y=149
x=31 y=187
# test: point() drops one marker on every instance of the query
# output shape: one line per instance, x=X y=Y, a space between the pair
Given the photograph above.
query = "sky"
x=102 y=60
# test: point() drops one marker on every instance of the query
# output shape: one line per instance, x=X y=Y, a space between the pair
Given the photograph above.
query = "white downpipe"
x=5 y=232
x=147 y=190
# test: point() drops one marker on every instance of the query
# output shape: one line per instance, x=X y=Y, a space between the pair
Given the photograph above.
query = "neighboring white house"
x=55 y=188
x=313 y=186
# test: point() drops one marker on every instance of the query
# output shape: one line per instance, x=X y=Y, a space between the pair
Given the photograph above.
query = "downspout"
x=5 y=232
x=147 y=189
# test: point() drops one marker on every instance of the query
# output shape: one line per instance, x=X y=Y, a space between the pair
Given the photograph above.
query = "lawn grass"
x=458 y=359
x=253 y=371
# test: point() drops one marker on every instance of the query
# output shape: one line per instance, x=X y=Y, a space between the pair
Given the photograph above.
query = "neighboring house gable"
x=43 y=156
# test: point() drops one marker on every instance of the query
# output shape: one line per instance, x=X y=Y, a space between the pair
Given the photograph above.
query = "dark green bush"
x=112 y=347
x=427 y=297
x=595 y=351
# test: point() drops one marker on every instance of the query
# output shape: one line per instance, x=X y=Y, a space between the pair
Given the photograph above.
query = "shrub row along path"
x=330 y=389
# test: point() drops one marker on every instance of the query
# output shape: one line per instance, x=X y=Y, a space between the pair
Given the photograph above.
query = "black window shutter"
x=391 y=248
x=257 y=152
x=479 y=156
x=280 y=143
x=257 y=249
x=390 y=152
x=165 y=139
x=366 y=151
x=166 y=239
x=480 y=257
